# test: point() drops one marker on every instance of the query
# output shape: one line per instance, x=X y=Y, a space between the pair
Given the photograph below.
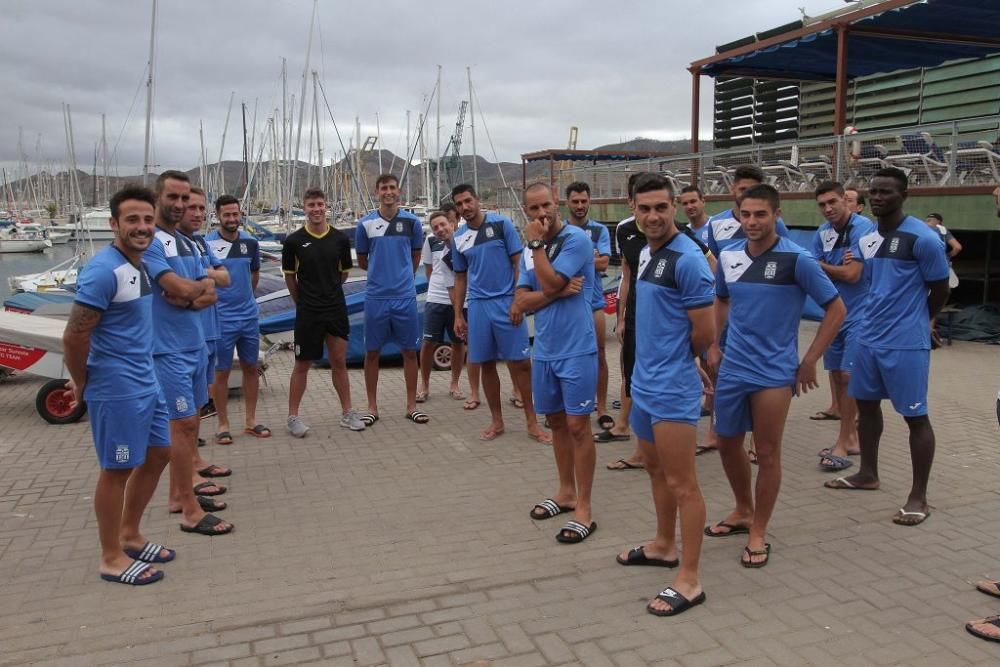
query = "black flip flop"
x=369 y=418
x=579 y=532
x=213 y=470
x=199 y=489
x=608 y=436
x=207 y=526
x=678 y=603
x=765 y=552
x=418 y=417
x=625 y=465
x=637 y=556
x=704 y=449
x=733 y=530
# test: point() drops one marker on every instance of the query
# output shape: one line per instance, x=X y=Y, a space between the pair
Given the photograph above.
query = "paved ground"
x=411 y=545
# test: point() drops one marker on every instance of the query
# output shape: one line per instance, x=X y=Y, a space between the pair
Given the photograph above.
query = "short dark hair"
x=436 y=214
x=577 y=186
x=447 y=207
x=748 y=171
x=630 y=186
x=384 y=178
x=225 y=200
x=170 y=175
x=461 y=188
x=195 y=190
x=894 y=173
x=829 y=186
x=937 y=216
x=764 y=192
x=861 y=195
x=650 y=182
x=314 y=193
x=693 y=188
x=131 y=191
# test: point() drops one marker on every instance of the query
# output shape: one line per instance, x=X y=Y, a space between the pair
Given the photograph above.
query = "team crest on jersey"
x=661 y=266
x=243 y=248
x=181 y=404
x=894 y=245
x=121 y=454
x=552 y=250
x=399 y=227
x=770 y=270
x=490 y=233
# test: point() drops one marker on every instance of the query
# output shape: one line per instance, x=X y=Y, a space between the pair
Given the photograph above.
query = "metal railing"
x=946 y=154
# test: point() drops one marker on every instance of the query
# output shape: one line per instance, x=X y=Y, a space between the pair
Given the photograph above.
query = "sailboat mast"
x=437 y=147
x=149 y=98
x=472 y=126
x=302 y=104
x=408 y=198
x=104 y=158
x=246 y=157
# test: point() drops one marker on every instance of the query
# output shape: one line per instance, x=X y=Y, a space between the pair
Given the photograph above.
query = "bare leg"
x=138 y=492
x=922 y=455
x=847 y=440
x=297 y=385
x=457 y=361
x=371 y=380
x=410 y=375
x=251 y=386
x=109 y=497
x=563 y=449
x=220 y=396
x=521 y=374
x=736 y=465
x=770 y=409
x=869 y=434
x=675 y=445
x=491 y=387
x=584 y=462
x=183 y=439
x=664 y=543
x=473 y=371
x=337 y=351
x=426 y=364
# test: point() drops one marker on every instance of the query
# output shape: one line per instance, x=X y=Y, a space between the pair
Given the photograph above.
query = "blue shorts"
x=682 y=407
x=182 y=379
x=899 y=375
x=392 y=320
x=839 y=356
x=733 y=415
x=124 y=427
x=245 y=337
x=492 y=336
x=439 y=318
x=565 y=385
x=211 y=355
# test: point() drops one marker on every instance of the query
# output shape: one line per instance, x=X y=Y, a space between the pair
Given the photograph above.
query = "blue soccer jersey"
x=601 y=240
x=177 y=329
x=701 y=233
x=565 y=327
x=209 y=315
x=669 y=283
x=724 y=229
x=485 y=253
x=830 y=246
x=390 y=245
x=766 y=296
x=241 y=258
x=901 y=264
x=120 y=363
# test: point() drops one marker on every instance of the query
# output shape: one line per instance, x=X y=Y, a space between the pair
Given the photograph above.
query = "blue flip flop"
x=130 y=575
x=835 y=463
x=151 y=554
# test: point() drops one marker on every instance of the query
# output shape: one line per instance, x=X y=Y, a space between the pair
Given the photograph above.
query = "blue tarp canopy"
x=921 y=34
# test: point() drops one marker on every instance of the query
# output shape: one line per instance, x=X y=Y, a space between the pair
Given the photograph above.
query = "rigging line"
x=354 y=176
x=420 y=130
x=503 y=179
x=135 y=97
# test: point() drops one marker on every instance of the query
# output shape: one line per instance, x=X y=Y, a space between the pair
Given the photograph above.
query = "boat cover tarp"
x=32 y=331
x=975 y=323
x=814 y=56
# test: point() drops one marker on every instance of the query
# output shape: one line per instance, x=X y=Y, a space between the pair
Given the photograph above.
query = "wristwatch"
x=535 y=244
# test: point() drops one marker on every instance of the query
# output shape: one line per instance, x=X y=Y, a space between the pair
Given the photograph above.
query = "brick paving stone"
x=378 y=581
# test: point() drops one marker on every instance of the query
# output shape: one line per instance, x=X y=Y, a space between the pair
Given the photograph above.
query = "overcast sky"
x=617 y=70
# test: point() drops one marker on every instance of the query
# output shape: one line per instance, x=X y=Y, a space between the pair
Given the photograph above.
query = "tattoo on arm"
x=82 y=319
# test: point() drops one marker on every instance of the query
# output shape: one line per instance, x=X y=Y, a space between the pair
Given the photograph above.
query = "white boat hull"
x=24 y=245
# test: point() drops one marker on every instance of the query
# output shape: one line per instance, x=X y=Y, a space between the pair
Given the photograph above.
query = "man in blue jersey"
x=486 y=252
x=909 y=285
x=238 y=317
x=439 y=313
x=388 y=242
x=578 y=202
x=761 y=286
x=190 y=225
x=674 y=323
x=555 y=282
x=692 y=201
x=724 y=229
x=316 y=259
x=182 y=288
x=836 y=248
x=108 y=351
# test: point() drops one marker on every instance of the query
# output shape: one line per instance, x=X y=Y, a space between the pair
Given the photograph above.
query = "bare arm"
x=845 y=273
x=834 y=316
x=363 y=262
x=529 y=301
x=428 y=269
x=182 y=288
x=457 y=302
x=938 y=296
x=207 y=298
x=721 y=312
x=551 y=282
x=954 y=247
x=626 y=278
x=601 y=263
x=254 y=279
x=416 y=260
x=292 y=283
x=76 y=345
x=702 y=328
x=220 y=276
